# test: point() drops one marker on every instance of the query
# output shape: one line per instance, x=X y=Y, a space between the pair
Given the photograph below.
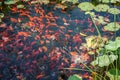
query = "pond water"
x=37 y=42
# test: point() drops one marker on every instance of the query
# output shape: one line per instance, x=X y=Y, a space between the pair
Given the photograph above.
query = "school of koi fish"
x=37 y=42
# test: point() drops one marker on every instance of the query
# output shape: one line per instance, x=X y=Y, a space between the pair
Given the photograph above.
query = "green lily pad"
x=101 y=7
x=86 y=6
x=111 y=27
x=20 y=6
x=112 y=74
x=10 y=2
x=73 y=1
x=1 y=15
x=113 y=45
x=114 y=1
x=114 y=11
x=26 y=0
x=95 y=41
x=0 y=3
x=75 y=77
x=109 y=1
x=104 y=60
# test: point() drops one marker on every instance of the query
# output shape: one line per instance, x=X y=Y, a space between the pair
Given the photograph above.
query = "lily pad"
x=109 y=1
x=0 y=3
x=113 y=45
x=73 y=1
x=111 y=26
x=114 y=11
x=10 y=2
x=112 y=74
x=1 y=15
x=101 y=7
x=86 y=6
x=104 y=60
x=75 y=77
x=20 y=6
x=95 y=41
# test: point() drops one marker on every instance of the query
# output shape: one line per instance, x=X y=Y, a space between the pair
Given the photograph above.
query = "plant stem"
x=116 y=71
x=99 y=34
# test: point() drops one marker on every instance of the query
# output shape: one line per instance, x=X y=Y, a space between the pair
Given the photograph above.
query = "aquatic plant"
x=112 y=74
x=75 y=77
x=111 y=27
x=109 y=1
x=113 y=45
x=86 y=6
x=73 y=1
x=114 y=11
x=104 y=60
x=106 y=55
x=94 y=42
x=10 y=2
x=1 y=16
x=101 y=7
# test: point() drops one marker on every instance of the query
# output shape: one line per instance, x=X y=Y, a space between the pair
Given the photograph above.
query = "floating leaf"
x=114 y=11
x=113 y=45
x=75 y=77
x=86 y=6
x=104 y=60
x=0 y=3
x=1 y=15
x=112 y=74
x=109 y=1
x=9 y=2
x=20 y=6
x=73 y=1
x=101 y=7
x=111 y=26
x=95 y=41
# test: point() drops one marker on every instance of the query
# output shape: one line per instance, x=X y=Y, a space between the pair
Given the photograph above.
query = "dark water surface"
x=40 y=52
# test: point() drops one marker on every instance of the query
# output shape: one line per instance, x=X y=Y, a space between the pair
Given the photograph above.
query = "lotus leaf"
x=108 y=1
x=75 y=77
x=104 y=60
x=73 y=1
x=10 y=2
x=95 y=41
x=0 y=3
x=86 y=6
x=112 y=74
x=111 y=26
x=114 y=11
x=1 y=15
x=26 y=0
x=102 y=7
x=113 y=45
x=114 y=1
x=20 y=6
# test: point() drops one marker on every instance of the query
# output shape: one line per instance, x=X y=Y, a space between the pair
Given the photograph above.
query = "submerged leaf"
x=112 y=26
x=75 y=77
x=86 y=6
x=104 y=60
x=101 y=7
